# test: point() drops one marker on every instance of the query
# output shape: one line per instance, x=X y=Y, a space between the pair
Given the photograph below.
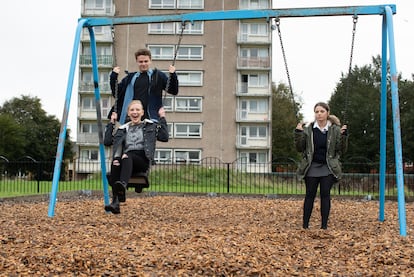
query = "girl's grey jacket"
x=152 y=131
x=337 y=145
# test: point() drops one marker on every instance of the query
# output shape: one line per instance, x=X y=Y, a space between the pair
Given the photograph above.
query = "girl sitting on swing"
x=133 y=148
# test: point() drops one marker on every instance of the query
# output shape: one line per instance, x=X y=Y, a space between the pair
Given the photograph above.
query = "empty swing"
x=295 y=108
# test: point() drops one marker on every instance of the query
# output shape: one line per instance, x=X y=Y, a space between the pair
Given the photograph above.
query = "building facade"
x=223 y=108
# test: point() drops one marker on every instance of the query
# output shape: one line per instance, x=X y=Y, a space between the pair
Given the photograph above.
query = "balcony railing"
x=253 y=62
x=252 y=143
x=89 y=87
x=102 y=60
x=243 y=89
x=253 y=39
x=244 y=116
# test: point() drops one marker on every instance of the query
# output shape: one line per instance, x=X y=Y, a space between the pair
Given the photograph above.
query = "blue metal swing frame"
x=386 y=11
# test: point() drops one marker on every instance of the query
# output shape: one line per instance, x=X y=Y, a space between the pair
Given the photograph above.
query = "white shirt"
x=322 y=129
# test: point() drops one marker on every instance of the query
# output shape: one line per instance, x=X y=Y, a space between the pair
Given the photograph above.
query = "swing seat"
x=138 y=181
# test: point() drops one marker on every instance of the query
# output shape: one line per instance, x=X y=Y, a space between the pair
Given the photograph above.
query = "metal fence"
x=210 y=175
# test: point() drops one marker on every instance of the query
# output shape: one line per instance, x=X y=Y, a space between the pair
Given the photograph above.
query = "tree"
x=41 y=131
x=406 y=93
x=283 y=122
x=12 y=137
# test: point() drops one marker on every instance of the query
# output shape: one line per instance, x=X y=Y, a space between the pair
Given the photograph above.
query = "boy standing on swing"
x=146 y=85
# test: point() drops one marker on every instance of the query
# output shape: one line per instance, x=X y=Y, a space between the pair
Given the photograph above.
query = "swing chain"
x=175 y=57
x=114 y=64
x=354 y=20
x=179 y=41
x=277 y=21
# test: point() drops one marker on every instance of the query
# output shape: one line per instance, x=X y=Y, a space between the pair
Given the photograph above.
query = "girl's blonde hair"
x=135 y=102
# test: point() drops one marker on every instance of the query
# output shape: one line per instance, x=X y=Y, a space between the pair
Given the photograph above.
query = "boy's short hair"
x=143 y=52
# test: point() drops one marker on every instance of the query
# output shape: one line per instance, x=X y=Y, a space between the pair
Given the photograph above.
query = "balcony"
x=89 y=87
x=253 y=63
x=95 y=11
x=244 y=142
x=244 y=116
x=243 y=89
x=87 y=138
x=253 y=39
x=91 y=114
x=102 y=60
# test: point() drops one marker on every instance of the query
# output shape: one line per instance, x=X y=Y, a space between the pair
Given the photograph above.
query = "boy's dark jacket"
x=158 y=83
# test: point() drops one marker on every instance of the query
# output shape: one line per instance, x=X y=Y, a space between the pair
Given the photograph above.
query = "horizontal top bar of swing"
x=239 y=14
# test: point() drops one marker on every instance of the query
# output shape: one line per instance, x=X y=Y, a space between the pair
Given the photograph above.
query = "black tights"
x=122 y=169
x=326 y=183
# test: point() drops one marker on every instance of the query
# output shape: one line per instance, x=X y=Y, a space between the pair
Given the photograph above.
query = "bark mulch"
x=202 y=236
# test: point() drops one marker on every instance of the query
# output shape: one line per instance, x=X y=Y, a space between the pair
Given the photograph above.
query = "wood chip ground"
x=203 y=236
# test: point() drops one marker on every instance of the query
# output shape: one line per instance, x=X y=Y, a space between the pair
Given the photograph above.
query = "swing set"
x=388 y=51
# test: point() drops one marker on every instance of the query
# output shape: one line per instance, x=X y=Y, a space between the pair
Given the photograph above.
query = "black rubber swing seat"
x=138 y=181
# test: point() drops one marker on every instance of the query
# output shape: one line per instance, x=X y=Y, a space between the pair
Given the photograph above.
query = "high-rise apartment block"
x=223 y=108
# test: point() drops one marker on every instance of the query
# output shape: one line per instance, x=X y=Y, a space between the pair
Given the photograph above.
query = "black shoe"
x=122 y=198
x=119 y=188
x=324 y=227
x=113 y=208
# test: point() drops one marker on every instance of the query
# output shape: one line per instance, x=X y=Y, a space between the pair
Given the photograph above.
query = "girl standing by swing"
x=321 y=143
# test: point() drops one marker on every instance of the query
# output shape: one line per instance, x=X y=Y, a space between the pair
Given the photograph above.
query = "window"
x=162 y=4
x=89 y=154
x=190 y=78
x=187 y=156
x=105 y=106
x=255 y=106
x=98 y=6
x=258 y=80
x=170 y=130
x=188 y=104
x=167 y=102
x=166 y=52
x=258 y=106
x=88 y=103
x=161 y=52
x=161 y=28
x=254 y=157
x=163 y=155
x=187 y=130
x=179 y=4
x=190 y=4
x=254 y=29
x=190 y=53
x=256 y=131
x=87 y=77
x=254 y=4
x=100 y=50
x=195 y=28
x=254 y=52
x=89 y=128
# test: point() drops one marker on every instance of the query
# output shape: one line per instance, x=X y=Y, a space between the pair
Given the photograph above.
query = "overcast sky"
x=37 y=44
